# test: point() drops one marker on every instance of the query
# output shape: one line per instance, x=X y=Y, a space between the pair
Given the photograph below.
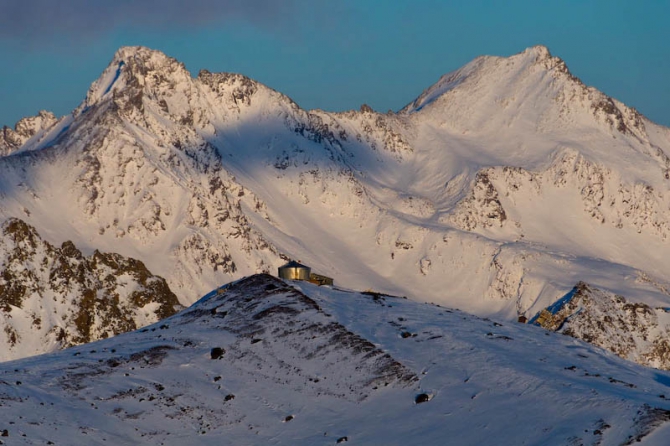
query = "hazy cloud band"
x=34 y=21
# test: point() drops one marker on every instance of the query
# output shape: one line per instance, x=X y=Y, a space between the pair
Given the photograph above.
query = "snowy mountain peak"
x=529 y=91
x=136 y=68
x=127 y=53
x=540 y=52
x=487 y=70
x=151 y=89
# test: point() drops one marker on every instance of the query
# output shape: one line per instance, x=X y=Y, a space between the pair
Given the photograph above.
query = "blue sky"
x=333 y=55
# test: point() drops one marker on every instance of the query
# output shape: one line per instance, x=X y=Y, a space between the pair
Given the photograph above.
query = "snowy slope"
x=496 y=191
x=305 y=365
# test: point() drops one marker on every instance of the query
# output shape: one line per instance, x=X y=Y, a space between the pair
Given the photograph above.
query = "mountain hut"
x=294 y=271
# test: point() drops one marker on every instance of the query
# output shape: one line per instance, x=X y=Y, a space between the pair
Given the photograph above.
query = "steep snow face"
x=531 y=90
x=52 y=298
x=495 y=191
x=262 y=361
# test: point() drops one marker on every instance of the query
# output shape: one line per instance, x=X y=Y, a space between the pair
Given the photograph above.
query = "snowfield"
x=299 y=364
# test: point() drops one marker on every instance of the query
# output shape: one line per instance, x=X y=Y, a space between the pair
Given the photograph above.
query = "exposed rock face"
x=633 y=331
x=482 y=208
x=606 y=198
x=53 y=298
x=11 y=140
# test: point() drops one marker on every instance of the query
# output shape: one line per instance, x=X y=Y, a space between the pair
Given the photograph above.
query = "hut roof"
x=293 y=264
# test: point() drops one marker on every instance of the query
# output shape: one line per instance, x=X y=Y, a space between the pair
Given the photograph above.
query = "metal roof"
x=293 y=264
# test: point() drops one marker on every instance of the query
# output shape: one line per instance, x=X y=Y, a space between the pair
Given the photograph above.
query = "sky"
x=334 y=55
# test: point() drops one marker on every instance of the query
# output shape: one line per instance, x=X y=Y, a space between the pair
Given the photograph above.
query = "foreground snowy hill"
x=266 y=362
x=496 y=191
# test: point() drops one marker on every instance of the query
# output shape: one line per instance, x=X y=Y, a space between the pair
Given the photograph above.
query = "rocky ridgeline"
x=55 y=297
x=12 y=140
x=606 y=198
x=633 y=331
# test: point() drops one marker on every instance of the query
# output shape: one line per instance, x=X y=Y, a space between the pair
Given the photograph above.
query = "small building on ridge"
x=296 y=271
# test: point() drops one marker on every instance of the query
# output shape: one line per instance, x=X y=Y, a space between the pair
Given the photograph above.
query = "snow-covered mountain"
x=498 y=190
x=266 y=362
x=55 y=297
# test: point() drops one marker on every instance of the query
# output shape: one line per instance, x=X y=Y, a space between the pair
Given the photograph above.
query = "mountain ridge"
x=497 y=197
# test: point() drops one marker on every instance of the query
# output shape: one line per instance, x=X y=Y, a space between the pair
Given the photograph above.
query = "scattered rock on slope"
x=263 y=305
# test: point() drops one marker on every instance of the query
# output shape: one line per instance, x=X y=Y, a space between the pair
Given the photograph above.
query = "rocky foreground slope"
x=261 y=361
x=495 y=191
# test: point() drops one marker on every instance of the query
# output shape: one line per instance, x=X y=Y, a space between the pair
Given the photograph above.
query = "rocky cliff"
x=56 y=297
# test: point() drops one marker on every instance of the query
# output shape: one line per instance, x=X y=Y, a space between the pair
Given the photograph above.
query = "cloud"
x=39 y=21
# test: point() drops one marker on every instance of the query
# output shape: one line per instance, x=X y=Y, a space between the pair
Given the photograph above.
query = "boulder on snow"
x=422 y=398
x=217 y=352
